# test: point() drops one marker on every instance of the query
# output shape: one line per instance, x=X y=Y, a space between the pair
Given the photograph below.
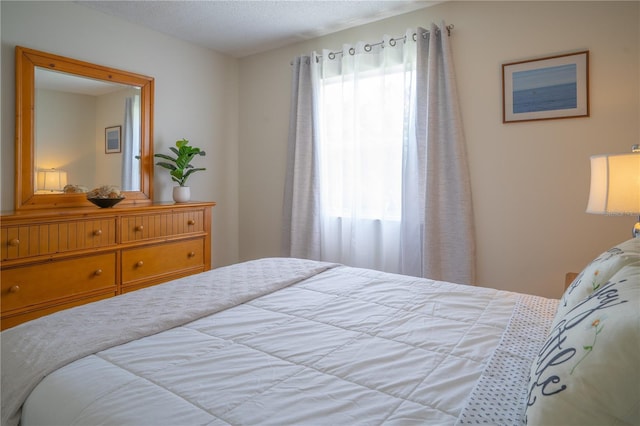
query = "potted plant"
x=180 y=167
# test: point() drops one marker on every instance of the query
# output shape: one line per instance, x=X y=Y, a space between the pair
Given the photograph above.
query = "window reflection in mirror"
x=72 y=114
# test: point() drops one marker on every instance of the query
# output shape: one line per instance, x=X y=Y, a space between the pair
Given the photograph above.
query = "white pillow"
x=597 y=273
x=588 y=371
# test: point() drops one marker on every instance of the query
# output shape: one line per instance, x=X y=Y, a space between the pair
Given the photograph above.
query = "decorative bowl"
x=105 y=202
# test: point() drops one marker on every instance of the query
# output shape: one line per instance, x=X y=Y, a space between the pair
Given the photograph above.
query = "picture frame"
x=113 y=139
x=547 y=88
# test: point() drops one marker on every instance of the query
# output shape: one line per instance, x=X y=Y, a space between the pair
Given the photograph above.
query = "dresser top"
x=94 y=211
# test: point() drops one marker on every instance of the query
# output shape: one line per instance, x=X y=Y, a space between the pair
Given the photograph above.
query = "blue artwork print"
x=113 y=142
x=545 y=89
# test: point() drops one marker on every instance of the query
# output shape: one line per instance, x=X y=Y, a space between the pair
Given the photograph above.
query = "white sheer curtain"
x=364 y=102
x=359 y=188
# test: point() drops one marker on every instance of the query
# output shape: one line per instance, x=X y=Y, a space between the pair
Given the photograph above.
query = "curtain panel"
x=130 y=174
x=448 y=251
x=301 y=223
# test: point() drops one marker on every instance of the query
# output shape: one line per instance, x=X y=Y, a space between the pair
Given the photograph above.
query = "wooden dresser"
x=53 y=259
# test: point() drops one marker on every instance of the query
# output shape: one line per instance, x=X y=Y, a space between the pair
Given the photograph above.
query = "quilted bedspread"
x=284 y=342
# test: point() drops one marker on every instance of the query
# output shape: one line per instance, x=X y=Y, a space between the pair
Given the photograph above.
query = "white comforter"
x=324 y=344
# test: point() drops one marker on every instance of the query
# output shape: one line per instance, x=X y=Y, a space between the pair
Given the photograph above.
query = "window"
x=366 y=124
x=361 y=125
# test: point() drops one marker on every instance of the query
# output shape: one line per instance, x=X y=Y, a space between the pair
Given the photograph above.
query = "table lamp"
x=615 y=185
x=51 y=180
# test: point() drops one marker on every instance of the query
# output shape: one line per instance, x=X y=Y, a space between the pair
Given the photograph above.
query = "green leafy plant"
x=180 y=167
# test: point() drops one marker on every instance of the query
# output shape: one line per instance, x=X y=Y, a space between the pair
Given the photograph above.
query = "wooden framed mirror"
x=89 y=137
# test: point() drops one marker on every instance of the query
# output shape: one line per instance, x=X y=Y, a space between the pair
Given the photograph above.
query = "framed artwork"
x=112 y=139
x=546 y=88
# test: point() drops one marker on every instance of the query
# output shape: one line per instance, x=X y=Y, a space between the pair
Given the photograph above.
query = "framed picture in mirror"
x=112 y=139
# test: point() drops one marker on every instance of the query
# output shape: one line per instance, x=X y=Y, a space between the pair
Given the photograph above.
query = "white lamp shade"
x=52 y=180
x=615 y=184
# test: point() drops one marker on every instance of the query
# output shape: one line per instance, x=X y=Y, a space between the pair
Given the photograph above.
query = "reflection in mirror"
x=80 y=138
x=72 y=114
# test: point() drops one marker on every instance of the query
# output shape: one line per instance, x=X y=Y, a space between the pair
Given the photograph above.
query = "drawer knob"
x=191 y=222
x=97 y=232
x=14 y=242
x=98 y=272
x=139 y=228
x=14 y=289
x=191 y=254
x=139 y=263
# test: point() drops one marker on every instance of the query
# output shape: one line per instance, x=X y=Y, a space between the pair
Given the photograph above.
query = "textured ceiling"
x=240 y=28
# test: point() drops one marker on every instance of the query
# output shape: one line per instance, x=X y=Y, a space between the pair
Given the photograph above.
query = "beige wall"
x=196 y=97
x=67 y=130
x=529 y=180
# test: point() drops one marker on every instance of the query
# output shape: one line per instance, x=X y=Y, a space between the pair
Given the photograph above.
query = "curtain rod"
x=392 y=42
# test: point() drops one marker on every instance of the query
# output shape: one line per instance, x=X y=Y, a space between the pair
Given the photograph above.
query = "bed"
x=296 y=342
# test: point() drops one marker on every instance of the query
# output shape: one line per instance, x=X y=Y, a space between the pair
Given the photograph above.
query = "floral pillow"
x=588 y=370
x=598 y=272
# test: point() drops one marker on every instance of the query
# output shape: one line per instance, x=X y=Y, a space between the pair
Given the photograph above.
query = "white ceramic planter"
x=181 y=194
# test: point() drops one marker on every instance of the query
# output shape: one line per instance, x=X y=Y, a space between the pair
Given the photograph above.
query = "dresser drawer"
x=162 y=259
x=149 y=226
x=57 y=281
x=37 y=239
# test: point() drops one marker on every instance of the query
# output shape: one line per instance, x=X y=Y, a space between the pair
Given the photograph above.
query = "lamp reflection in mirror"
x=615 y=185
x=51 y=180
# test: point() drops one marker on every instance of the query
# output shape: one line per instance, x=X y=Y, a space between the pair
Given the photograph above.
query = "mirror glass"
x=74 y=119
x=80 y=126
